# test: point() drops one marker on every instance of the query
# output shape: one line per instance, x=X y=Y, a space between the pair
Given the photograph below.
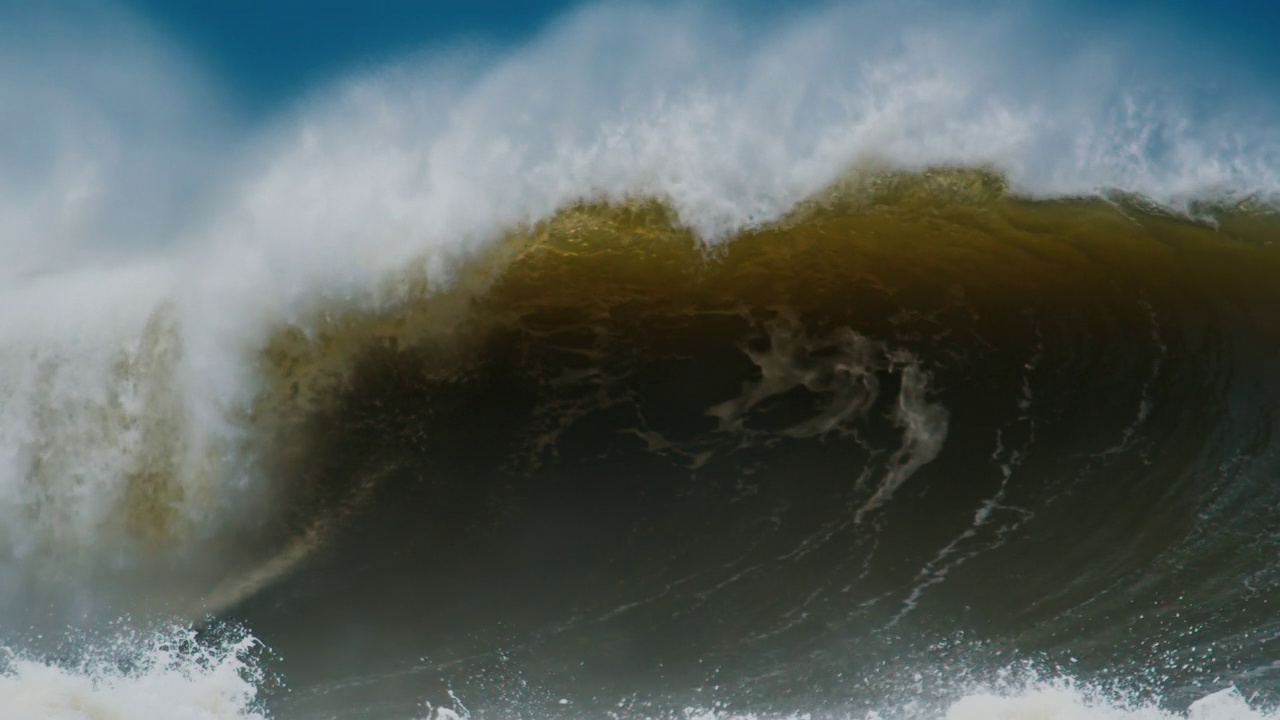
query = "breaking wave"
x=814 y=334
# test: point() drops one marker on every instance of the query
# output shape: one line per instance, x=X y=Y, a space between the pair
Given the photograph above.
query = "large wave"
x=185 y=291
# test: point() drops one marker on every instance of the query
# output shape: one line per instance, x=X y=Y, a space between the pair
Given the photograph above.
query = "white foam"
x=165 y=683
x=143 y=227
x=1060 y=700
x=1066 y=703
x=1054 y=701
x=176 y=676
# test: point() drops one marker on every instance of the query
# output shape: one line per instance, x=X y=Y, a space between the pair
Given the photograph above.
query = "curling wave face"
x=874 y=311
x=917 y=404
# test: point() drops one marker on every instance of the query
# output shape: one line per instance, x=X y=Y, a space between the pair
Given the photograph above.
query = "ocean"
x=872 y=363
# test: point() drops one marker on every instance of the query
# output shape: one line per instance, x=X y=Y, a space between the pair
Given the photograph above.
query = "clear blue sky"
x=269 y=50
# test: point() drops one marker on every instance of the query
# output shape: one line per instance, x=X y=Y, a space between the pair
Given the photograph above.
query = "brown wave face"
x=920 y=408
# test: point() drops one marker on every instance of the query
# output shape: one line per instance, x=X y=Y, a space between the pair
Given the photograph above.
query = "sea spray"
x=166 y=675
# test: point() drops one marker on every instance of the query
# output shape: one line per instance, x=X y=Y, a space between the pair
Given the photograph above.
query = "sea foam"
x=167 y=676
x=173 y=675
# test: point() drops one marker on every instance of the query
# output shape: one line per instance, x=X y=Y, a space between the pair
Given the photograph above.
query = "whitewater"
x=182 y=289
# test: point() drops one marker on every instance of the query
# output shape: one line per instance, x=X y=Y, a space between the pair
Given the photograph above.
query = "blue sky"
x=269 y=51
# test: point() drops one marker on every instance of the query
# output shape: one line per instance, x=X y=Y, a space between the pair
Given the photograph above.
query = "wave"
x=947 y=287
x=884 y=404
x=134 y=432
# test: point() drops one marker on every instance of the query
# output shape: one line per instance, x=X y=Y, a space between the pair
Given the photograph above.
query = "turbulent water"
x=905 y=392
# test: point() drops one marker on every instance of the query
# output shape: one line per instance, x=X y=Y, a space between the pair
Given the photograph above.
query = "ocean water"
x=874 y=362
